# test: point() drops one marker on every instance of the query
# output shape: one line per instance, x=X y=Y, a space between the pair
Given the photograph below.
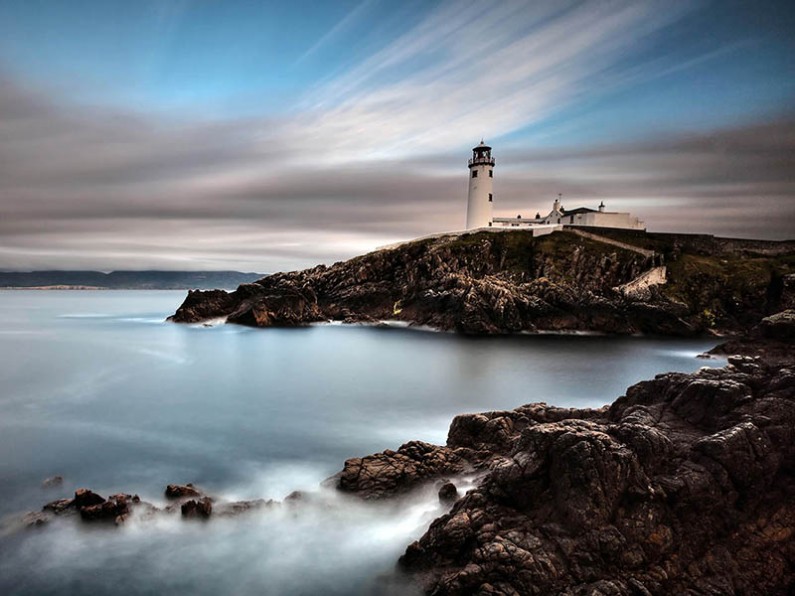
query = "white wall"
x=478 y=205
x=604 y=220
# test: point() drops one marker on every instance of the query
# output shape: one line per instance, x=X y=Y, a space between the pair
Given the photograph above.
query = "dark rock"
x=181 y=491
x=780 y=326
x=480 y=283
x=684 y=485
x=391 y=472
x=86 y=498
x=288 y=306
x=115 y=508
x=198 y=508
x=59 y=506
x=448 y=493
x=200 y=305
x=52 y=482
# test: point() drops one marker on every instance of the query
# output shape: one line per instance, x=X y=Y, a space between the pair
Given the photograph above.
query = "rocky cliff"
x=685 y=485
x=510 y=282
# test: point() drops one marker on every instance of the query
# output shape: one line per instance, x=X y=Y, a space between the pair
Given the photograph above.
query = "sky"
x=266 y=136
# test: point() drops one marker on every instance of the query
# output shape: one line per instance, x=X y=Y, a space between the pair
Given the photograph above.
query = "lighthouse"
x=480 y=198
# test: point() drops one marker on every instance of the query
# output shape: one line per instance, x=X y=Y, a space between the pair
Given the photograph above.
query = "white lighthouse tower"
x=480 y=198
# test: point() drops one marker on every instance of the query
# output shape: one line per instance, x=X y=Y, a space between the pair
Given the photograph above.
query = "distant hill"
x=126 y=280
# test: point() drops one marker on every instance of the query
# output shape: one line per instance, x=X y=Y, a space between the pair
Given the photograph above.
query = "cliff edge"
x=509 y=282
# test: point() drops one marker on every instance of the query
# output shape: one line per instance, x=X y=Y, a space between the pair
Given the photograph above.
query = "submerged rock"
x=52 y=482
x=59 y=506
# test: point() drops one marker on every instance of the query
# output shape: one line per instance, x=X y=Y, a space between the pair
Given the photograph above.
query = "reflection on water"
x=98 y=389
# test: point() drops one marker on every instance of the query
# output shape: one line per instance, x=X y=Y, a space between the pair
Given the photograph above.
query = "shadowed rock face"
x=685 y=485
x=509 y=282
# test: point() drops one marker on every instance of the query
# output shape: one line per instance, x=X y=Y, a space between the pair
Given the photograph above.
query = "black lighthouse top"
x=481 y=156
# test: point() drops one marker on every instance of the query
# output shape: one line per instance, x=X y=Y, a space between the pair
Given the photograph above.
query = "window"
x=474 y=173
x=491 y=198
x=491 y=173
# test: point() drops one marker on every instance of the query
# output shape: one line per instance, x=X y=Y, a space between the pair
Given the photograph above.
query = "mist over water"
x=98 y=389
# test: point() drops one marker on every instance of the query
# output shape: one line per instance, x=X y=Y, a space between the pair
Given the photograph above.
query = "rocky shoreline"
x=511 y=282
x=684 y=485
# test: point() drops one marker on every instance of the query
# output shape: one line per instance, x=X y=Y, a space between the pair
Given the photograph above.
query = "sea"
x=96 y=387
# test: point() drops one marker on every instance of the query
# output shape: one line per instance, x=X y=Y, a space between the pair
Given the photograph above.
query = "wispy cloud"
x=376 y=154
x=352 y=18
x=464 y=72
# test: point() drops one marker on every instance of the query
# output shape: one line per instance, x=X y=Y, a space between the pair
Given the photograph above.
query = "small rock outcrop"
x=86 y=498
x=389 y=473
x=90 y=506
x=181 y=491
x=200 y=508
x=115 y=508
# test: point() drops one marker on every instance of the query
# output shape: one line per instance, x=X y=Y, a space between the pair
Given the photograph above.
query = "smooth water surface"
x=96 y=387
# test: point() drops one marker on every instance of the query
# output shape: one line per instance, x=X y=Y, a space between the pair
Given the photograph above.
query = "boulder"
x=240 y=507
x=35 y=519
x=181 y=491
x=114 y=509
x=392 y=472
x=448 y=493
x=86 y=498
x=197 y=508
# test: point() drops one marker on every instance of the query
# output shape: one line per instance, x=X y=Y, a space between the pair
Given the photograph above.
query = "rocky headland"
x=510 y=282
x=685 y=485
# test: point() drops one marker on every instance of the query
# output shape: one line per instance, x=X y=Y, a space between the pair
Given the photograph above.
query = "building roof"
x=578 y=210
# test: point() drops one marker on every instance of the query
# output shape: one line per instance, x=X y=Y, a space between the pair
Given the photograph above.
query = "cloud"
x=464 y=72
x=374 y=155
x=735 y=181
